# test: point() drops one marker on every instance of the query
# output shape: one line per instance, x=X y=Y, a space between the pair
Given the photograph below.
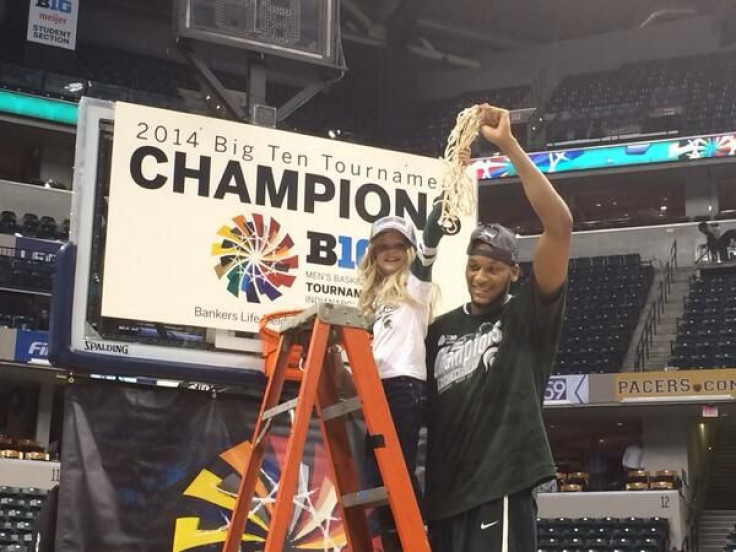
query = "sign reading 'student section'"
x=215 y=223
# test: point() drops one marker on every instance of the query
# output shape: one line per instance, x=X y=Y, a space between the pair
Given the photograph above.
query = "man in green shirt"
x=488 y=364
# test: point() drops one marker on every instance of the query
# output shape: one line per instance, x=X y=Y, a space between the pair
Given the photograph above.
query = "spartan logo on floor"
x=254 y=258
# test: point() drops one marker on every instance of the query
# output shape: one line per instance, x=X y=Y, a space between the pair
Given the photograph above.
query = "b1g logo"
x=342 y=251
x=63 y=6
x=255 y=258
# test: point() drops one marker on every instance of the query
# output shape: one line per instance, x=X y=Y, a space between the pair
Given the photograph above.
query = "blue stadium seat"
x=606 y=295
x=603 y=534
x=47 y=228
x=8 y=222
x=704 y=332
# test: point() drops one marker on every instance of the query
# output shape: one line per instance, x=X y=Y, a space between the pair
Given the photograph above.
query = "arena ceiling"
x=495 y=24
x=508 y=24
x=539 y=22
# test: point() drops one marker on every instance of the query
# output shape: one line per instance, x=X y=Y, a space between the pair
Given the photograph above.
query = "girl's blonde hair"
x=379 y=290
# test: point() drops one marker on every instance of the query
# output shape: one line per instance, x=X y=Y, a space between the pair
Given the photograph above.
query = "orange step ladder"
x=315 y=330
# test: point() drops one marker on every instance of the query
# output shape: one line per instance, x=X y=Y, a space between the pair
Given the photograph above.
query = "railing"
x=693 y=519
x=656 y=310
x=700 y=487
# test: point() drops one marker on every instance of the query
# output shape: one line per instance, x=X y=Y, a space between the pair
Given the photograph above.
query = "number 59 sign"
x=572 y=389
x=53 y=23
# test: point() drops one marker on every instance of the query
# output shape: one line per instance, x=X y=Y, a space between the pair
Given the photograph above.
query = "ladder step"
x=369 y=497
x=280 y=409
x=341 y=408
x=337 y=315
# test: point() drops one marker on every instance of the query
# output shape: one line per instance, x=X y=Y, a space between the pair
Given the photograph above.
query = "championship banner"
x=157 y=470
x=53 y=23
x=215 y=223
x=677 y=384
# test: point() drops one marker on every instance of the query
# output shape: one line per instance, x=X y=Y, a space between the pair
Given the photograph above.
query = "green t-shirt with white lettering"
x=486 y=380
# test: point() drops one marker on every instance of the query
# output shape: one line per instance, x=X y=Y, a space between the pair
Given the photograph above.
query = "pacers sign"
x=682 y=383
x=215 y=223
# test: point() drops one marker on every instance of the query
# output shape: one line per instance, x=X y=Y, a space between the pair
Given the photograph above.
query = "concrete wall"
x=25 y=198
x=699 y=458
x=29 y=473
x=666 y=443
x=663 y=504
x=701 y=198
x=7 y=343
x=57 y=160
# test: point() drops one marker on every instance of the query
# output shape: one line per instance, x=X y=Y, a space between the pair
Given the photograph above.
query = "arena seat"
x=19 y=508
x=572 y=543
x=20 y=274
x=26 y=274
x=63 y=233
x=6 y=266
x=29 y=225
x=596 y=544
x=8 y=222
x=47 y=228
x=665 y=479
x=21 y=78
x=690 y=95
x=603 y=534
x=605 y=298
x=706 y=335
x=437 y=118
x=15 y=548
x=731 y=540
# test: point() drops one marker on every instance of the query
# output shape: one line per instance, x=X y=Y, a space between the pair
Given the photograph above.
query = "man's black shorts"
x=505 y=525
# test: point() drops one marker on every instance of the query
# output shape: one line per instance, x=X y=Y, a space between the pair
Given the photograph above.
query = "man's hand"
x=496 y=126
x=464 y=155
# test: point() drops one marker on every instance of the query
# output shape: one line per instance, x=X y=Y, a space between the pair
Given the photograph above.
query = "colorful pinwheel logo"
x=209 y=500
x=255 y=258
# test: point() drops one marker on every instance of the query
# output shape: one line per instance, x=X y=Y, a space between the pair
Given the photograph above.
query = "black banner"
x=156 y=470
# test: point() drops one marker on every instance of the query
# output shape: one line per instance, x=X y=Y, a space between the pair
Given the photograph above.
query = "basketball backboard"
x=187 y=230
x=84 y=340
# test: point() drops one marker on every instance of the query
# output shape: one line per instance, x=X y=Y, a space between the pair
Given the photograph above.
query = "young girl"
x=397 y=295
